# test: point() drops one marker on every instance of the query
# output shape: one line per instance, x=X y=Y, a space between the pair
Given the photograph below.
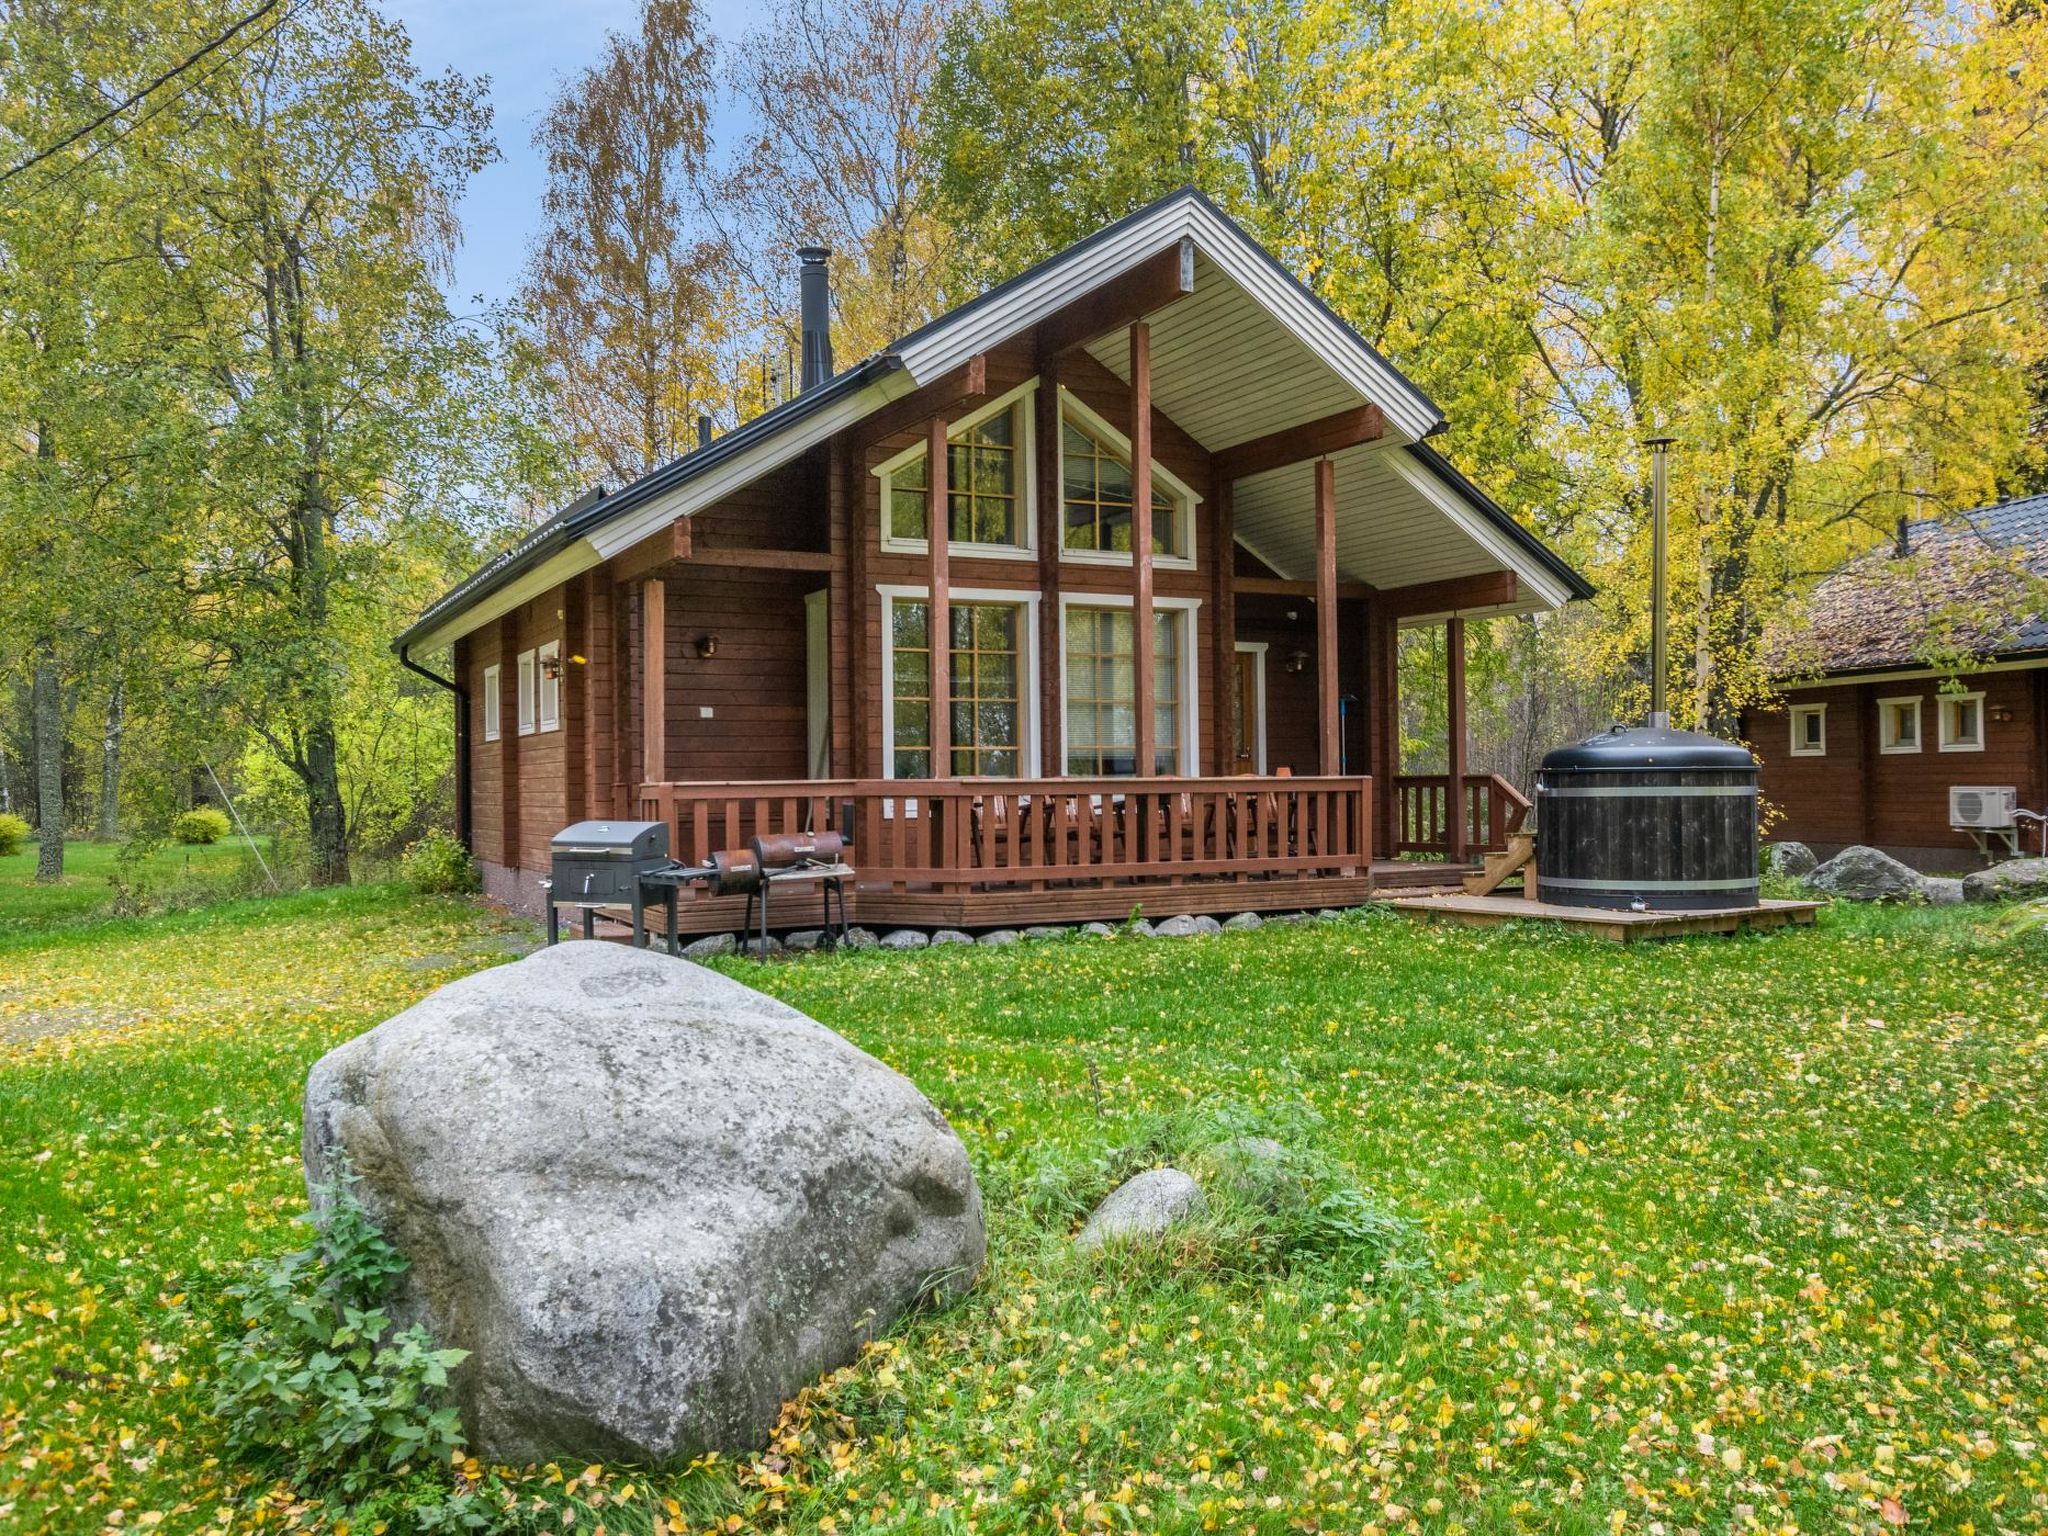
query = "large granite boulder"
x=2009 y=881
x=1795 y=860
x=1866 y=874
x=649 y=1201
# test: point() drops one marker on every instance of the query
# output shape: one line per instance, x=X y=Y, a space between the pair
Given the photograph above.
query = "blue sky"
x=526 y=47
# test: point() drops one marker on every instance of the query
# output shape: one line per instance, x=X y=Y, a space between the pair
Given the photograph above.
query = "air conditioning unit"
x=1982 y=808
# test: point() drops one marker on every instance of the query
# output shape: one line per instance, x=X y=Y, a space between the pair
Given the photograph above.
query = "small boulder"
x=904 y=938
x=1043 y=931
x=1794 y=860
x=1286 y=919
x=710 y=946
x=1177 y=928
x=762 y=949
x=1098 y=930
x=1140 y=928
x=2013 y=879
x=1941 y=892
x=1866 y=874
x=1255 y=1167
x=951 y=936
x=803 y=941
x=652 y=1203
x=1244 y=922
x=1143 y=1207
x=1206 y=924
x=859 y=938
x=998 y=937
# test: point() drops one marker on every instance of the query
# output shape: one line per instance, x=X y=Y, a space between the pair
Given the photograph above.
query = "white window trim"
x=1028 y=690
x=1027 y=491
x=1884 y=725
x=494 y=701
x=528 y=695
x=1178 y=488
x=1191 y=705
x=1799 y=746
x=1941 y=714
x=550 y=708
x=1259 y=678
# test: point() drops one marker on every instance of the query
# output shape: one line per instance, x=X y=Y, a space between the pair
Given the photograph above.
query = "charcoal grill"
x=609 y=864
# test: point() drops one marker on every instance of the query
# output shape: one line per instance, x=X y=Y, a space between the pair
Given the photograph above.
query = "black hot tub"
x=1647 y=818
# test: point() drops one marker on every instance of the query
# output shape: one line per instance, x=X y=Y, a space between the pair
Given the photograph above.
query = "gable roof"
x=1329 y=361
x=1967 y=583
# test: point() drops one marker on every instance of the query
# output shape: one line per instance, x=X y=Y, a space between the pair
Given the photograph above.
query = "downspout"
x=462 y=828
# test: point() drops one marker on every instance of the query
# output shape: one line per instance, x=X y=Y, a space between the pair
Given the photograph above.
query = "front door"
x=1250 y=710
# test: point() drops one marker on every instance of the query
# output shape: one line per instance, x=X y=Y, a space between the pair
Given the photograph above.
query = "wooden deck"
x=1624 y=927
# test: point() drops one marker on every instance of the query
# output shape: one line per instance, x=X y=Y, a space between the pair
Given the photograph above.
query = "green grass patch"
x=110 y=879
x=1717 y=1235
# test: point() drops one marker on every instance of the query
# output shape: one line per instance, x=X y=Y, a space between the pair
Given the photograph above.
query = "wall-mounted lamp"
x=1296 y=663
x=551 y=666
x=2002 y=713
x=707 y=645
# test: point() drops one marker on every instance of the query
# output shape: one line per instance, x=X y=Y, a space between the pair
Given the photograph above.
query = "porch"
x=990 y=853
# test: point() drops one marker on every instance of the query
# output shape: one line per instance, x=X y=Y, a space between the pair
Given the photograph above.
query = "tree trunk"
x=47 y=710
x=110 y=765
x=326 y=825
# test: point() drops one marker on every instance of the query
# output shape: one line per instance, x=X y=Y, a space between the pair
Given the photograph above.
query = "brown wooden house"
x=1182 y=512
x=1870 y=742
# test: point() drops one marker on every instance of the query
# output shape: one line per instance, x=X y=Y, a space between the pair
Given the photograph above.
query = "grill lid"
x=1643 y=748
x=613 y=839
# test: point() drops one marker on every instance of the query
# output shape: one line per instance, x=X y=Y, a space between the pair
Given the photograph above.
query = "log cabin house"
x=1869 y=740
x=1171 y=512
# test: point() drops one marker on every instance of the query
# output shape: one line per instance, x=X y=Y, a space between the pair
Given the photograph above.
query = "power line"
x=57 y=179
x=113 y=112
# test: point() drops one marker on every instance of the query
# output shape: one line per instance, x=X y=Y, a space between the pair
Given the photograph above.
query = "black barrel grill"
x=1648 y=819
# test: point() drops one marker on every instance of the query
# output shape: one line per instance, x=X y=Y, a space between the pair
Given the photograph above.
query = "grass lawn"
x=87 y=890
x=1718 y=1235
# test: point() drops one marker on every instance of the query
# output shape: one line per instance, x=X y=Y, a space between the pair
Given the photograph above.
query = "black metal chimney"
x=703 y=430
x=814 y=292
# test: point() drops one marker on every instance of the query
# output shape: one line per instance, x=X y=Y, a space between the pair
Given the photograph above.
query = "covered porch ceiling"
x=1227 y=370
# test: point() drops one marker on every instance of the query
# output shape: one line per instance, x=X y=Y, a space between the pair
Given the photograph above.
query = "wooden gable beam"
x=1492 y=589
x=1310 y=440
x=946 y=393
x=1274 y=586
x=1152 y=284
x=657 y=550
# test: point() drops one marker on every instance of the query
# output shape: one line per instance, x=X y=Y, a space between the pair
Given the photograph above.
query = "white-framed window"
x=1098 y=658
x=527 y=672
x=1898 y=724
x=1095 y=496
x=1962 y=722
x=994 y=673
x=493 y=702
x=991 y=491
x=549 y=665
x=1809 y=730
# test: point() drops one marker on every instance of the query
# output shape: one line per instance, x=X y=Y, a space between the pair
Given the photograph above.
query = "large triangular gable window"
x=988 y=483
x=1095 y=496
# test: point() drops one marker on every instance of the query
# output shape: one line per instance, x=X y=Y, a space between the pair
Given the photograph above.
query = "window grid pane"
x=1097 y=485
x=987 y=704
x=1102 y=689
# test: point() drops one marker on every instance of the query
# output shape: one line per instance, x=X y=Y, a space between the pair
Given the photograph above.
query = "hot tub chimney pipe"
x=814 y=294
x=1660 y=517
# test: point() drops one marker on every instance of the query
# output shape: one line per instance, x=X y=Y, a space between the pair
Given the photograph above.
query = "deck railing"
x=958 y=835
x=1494 y=811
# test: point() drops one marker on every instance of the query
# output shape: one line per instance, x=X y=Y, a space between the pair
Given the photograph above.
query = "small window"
x=988 y=483
x=550 y=685
x=526 y=692
x=1809 y=730
x=1898 y=725
x=1962 y=722
x=493 y=703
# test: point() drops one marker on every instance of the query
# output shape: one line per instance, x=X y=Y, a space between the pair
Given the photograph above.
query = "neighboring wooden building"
x=740 y=640
x=1870 y=740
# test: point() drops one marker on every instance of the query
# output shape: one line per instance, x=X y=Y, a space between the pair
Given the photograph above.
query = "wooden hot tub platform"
x=1624 y=927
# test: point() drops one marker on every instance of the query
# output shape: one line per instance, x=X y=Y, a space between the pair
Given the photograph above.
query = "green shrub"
x=202 y=824
x=438 y=865
x=13 y=833
x=316 y=1381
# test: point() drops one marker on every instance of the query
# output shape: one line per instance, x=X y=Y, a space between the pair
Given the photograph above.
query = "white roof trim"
x=552 y=572
x=1480 y=531
x=951 y=342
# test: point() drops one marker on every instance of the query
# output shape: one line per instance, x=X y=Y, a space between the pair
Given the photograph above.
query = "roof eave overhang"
x=1548 y=580
x=1911 y=671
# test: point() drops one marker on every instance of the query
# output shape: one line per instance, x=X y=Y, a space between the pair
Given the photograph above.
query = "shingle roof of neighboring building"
x=1975 y=582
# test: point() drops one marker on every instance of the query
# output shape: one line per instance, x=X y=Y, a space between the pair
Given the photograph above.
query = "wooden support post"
x=1386 y=727
x=1141 y=549
x=938 y=609
x=1223 y=649
x=653 y=681
x=574 y=696
x=1051 y=533
x=1326 y=616
x=1866 y=752
x=1454 y=698
x=508 y=740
